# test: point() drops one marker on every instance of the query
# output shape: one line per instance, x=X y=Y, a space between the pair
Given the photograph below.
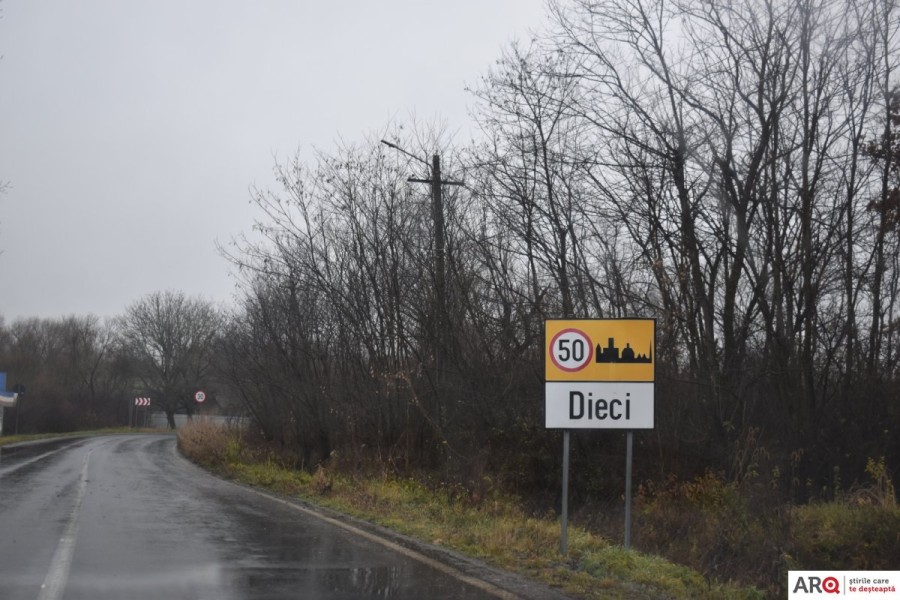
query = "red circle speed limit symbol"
x=571 y=350
x=200 y=396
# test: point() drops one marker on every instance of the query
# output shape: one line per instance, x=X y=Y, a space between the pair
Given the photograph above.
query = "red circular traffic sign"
x=200 y=396
x=571 y=350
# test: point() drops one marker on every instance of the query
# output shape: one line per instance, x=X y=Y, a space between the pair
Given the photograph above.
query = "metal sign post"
x=599 y=374
x=564 y=520
x=628 y=446
x=141 y=402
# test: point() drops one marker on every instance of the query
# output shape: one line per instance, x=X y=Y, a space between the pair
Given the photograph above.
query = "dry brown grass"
x=209 y=444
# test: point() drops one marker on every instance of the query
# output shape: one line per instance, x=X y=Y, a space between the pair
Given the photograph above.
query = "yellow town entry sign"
x=599 y=373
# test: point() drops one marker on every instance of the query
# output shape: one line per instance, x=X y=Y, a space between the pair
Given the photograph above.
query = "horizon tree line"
x=731 y=170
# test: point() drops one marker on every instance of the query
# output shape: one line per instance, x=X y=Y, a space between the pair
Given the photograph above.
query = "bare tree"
x=72 y=372
x=530 y=163
x=171 y=339
x=703 y=163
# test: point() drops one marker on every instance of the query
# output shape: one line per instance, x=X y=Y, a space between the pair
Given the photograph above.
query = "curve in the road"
x=128 y=517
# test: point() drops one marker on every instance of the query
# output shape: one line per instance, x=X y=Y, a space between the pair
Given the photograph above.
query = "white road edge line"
x=473 y=581
x=55 y=582
x=447 y=569
x=17 y=466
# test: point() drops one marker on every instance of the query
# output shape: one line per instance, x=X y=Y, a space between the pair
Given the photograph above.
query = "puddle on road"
x=394 y=582
x=196 y=581
x=321 y=582
x=374 y=582
x=210 y=581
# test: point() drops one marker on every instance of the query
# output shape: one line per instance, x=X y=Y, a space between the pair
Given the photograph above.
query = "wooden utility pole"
x=440 y=282
x=440 y=272
x=439 y=316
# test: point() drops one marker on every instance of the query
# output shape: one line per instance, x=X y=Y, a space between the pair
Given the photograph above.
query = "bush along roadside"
x=490 y=527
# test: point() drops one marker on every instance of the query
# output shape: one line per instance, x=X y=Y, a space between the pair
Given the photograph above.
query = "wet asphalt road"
x=126 y=517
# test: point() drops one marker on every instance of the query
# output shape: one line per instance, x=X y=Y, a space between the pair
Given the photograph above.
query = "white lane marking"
x=16 y=466
x=55 y=582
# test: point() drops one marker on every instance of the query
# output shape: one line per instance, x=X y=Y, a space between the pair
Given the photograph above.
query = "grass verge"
x=494 y=529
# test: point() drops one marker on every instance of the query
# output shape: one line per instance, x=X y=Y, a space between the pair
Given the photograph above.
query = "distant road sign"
x=142 y=401
x=200 y=396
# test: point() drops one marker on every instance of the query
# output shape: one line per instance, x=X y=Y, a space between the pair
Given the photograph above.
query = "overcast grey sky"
x=130 y=131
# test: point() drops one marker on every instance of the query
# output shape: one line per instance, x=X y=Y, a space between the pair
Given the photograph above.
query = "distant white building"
x=7 y=399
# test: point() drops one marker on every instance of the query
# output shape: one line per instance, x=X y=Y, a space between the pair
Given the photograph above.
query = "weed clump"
x=210 y=445
x=742 y=531
x=722 y=529
x=860 y=531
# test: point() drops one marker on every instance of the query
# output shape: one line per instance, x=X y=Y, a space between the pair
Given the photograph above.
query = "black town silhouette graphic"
x=611 y=354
